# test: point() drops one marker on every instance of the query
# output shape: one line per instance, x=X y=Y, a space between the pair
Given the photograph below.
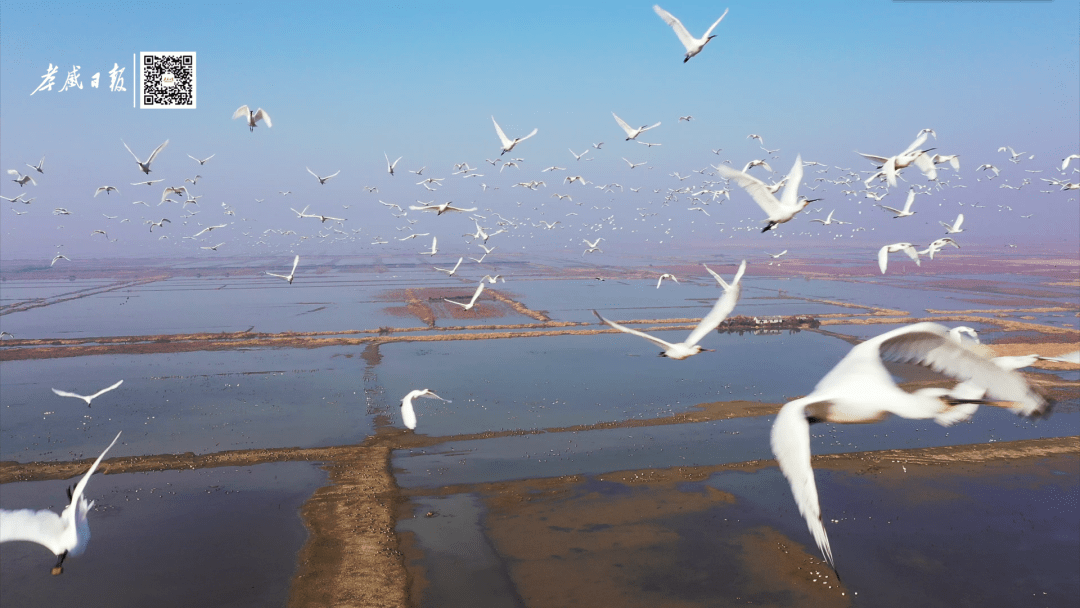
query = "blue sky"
x=345 y=83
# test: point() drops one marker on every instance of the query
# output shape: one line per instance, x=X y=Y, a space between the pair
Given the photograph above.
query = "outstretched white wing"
x=720 y=310
x=529 y=135
x=709 y=31
x=476 y=294
x=790 y=440
x=657 y=341
x=261 y=114
x=154 y=154
x=684 y=36
x=129 y=152
x=105 y=390
x=622 y=123
x=67 y=394
x=790 y=198
x=295 y=262
x=241 y=111
x=754 y=187
x=506 y=142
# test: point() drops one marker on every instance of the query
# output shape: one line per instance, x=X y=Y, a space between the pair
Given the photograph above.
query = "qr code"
x=168 y=80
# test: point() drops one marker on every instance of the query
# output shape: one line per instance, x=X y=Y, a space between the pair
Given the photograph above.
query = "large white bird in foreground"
x=693 y=45
x=507 y=143
x=779 y=211
x=719 y=312
x=86 y=398
x=146 y=166
x=861 y=389
x=292 y=273
x=883 y=254
x=64 y=534
x=408 y=415
x=252 y=117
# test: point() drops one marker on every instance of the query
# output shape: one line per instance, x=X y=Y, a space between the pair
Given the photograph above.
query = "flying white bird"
x=59 y=257
x=952 y=159
x=955 y=226
x=883 y=254
x=252 y=117
x=64 y=534
x=322 y=180
x=632 y=133
x=507 y=143
x=441 y=209
x=1064 y=162
x=90 y=398
x=593 y=246
x=203 y=161
x=776 y=255
x=711 y=321
x=450 y=272
x=434 y=246
x=693 y=45
x=41 y=162
x=937 y=246
x=779 y=211
x=20 y=178
x=390 y=165
x=292 y=273
x=666 y=275
x=828 y=220
x=208 y=229
x=146 y=166
x=906 y=211
x=758 y=163
x=408 y=415
x=472 y=302
x=860 y=389
x=912 y=154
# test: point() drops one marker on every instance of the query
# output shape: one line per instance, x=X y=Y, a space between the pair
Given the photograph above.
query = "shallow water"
x=993 y=535
x=236 y=531
x=696 y=444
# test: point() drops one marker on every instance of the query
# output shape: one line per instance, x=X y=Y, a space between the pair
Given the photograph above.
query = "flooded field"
x=263 y=451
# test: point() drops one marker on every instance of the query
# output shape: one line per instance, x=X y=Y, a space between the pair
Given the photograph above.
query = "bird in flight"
x=472 y=302
x=87 y=398
x=252 y=117
x=322 y=180
x=630 y=132
x=860 y=389
x=145 y=167
x=408 y=415
x=292 y=273
x=693 y=45
x=689 y=347
x=507 y=143
x=64 y=534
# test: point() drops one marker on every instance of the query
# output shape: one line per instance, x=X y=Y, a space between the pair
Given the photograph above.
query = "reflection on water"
x=210 y=537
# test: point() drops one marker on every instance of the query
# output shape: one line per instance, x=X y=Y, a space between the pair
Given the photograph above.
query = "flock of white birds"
x=859 y=389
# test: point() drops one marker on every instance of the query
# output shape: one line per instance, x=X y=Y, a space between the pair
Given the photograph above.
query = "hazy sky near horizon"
x=345 y=83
